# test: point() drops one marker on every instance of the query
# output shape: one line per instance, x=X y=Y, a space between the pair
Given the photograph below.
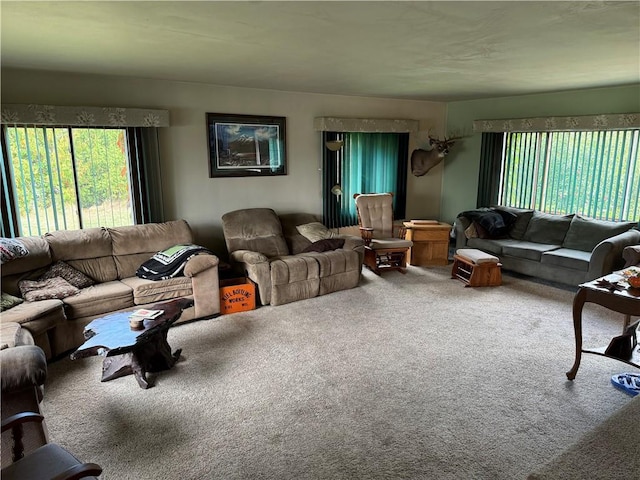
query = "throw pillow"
x=9 y=301
x=70 y=274
x=547 y=228
x=315 y=231
x=10 y=248
x=56 y=287
x=325 y=245
x=585 y=233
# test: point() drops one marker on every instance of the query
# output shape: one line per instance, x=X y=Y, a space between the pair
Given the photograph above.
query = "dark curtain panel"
x=146 y=181
x=401 y=187
x=490 y=164
x=9 y=221
x=330 y=177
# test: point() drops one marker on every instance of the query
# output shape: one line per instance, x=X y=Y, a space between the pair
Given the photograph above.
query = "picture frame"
x=246 y=145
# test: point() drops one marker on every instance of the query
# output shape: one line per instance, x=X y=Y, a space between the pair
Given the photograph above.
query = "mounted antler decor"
x=424 y=160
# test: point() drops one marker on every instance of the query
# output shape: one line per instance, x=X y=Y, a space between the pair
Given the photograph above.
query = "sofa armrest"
x=203 y=271
x=257 y=267
x=200 y=263
x=607 y=255
x=247 y=256
x=24 y=366
x=461 y=224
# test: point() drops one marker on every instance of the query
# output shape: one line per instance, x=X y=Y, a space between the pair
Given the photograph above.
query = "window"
x=594 y=173
x=68 y=178
x=65 y=178
x=367 y=163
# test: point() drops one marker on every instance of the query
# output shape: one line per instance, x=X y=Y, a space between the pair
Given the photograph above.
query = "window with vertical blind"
x=594 y=173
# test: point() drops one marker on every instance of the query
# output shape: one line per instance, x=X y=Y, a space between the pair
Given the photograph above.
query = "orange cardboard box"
x=237 y=295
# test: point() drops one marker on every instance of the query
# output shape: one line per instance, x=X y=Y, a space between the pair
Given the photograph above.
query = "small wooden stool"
x=475 y=268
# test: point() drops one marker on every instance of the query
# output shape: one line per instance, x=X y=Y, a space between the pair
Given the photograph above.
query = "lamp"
x=334 y=145
x=337 y=191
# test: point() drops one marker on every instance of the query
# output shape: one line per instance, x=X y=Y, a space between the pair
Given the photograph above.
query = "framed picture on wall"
x=246 y=145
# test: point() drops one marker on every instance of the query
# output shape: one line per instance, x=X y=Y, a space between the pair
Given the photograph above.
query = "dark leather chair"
x=48 y=462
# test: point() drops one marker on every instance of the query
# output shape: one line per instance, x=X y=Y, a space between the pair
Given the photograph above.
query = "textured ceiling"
x=415 y=50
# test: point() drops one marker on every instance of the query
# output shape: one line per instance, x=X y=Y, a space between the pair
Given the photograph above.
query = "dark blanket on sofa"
x=495 y=222
x=169 y=263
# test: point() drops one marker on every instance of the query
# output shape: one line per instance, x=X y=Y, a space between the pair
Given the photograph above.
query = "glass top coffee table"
x=133 y=351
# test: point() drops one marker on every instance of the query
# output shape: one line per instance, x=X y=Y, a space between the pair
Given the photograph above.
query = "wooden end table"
x=621 y=299
x=128 y=351
x=430 y=243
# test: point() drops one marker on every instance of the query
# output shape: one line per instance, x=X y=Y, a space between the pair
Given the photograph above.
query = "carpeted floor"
x=406 y=376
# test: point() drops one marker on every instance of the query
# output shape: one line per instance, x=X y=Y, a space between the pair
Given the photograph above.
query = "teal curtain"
x=370 y=166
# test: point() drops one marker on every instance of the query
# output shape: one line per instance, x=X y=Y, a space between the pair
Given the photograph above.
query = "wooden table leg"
x=578 y=304
x=152 y=355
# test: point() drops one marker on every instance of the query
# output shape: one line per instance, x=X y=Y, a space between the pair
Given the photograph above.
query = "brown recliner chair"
x=24 y=371
x=278 y=264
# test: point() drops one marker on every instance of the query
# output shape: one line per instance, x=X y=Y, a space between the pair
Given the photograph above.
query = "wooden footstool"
x=476 y=268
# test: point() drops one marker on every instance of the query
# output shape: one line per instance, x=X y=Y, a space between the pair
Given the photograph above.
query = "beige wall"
x=188 y=191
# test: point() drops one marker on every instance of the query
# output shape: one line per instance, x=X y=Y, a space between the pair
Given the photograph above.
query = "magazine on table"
x=144 y=313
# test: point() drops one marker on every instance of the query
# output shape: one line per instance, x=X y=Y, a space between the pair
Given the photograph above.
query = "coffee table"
x=128 y=351
x=610 y=292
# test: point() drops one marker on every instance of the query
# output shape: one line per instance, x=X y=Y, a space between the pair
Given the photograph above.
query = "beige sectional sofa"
x=110 y=257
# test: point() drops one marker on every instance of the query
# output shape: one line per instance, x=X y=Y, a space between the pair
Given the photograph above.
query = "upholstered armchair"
x=385 y=246
x=292 y=267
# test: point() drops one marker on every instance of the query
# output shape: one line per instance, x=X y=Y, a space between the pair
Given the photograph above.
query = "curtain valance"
x=390 y=125
x=51 y=115
x=617 y=121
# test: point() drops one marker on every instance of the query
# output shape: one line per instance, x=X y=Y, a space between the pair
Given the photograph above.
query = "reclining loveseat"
x=287 y=266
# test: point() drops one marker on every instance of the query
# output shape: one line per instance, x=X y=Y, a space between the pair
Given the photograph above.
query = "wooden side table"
x=430 y=243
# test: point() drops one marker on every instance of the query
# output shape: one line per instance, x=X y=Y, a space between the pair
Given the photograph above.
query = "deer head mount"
x=424 y=160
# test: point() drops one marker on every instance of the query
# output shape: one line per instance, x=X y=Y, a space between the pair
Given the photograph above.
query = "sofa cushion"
x=87 y=250
x=56 y=287
x=567 y=258
x=294 y=278
x=585 y=233
x=529 y=250
x=72 y=275
x=99 y=299
x=547 y=228
x=133 y=245
x=494 y=246
x=289 y=221
x=523 y=217
x=325 y=245
x=10 y=249
x=8 y=301
x=37 y=317
x=254 y=229
x=150 y=291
